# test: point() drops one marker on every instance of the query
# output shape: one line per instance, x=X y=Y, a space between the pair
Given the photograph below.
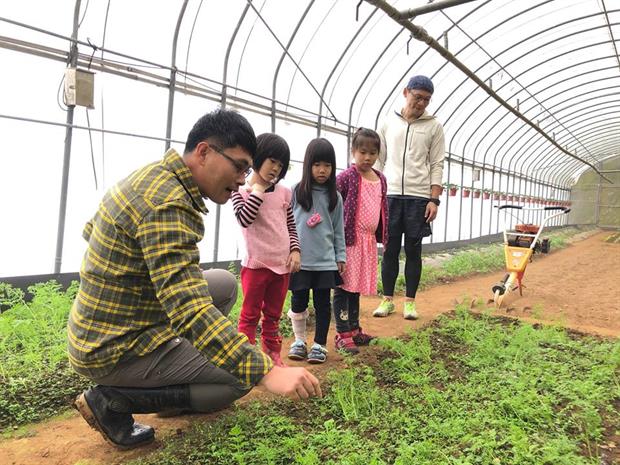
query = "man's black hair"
x=224 y=128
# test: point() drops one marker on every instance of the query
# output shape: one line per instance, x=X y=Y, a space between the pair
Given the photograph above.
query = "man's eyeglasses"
x=241 y=168
x=421 y=98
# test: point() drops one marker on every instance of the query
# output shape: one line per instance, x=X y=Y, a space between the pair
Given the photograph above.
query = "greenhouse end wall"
x=596 y=201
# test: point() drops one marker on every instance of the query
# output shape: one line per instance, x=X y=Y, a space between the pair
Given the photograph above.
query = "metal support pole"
x=597 y=210
x=277 y=72
x=60 y=235
x=173 y=75
x=430 y=7
x=218 y=208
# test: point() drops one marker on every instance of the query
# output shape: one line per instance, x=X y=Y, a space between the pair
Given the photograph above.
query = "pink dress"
x=361 y=267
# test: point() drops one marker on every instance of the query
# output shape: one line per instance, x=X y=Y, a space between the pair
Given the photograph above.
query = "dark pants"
x=179 y=362
x=346 y=310
x=406 y=216
x=322 y=309
x=413 y=265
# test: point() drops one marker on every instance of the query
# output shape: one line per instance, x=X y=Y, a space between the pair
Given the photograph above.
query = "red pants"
x=263 y=292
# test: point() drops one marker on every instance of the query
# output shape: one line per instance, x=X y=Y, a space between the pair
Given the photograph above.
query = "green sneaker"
x=384 y=309
x=409 y=311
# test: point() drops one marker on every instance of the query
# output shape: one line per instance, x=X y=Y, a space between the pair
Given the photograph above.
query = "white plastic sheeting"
x=557 y=61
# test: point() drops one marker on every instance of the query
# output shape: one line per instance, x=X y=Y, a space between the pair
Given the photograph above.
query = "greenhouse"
x=489 y=365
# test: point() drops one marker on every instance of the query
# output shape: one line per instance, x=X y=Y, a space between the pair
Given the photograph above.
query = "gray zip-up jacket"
x=412 y=154
x=323 y=245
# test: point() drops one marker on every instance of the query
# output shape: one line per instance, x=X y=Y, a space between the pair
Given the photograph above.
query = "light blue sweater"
x=323 y=245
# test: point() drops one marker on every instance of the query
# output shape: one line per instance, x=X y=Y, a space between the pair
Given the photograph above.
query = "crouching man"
x=148 y=327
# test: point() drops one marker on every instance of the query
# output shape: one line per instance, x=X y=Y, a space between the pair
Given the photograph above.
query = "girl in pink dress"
x=364 y=194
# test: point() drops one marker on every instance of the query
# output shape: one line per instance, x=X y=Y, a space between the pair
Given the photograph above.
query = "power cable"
x=90 y=133
x=105 y=29
x=60 y=105
x=84 y=14
x=92 y=152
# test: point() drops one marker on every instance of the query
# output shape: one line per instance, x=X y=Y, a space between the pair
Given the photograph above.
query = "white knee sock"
x=298 y=320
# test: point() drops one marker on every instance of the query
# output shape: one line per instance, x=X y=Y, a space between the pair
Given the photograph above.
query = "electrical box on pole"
x=79 y=88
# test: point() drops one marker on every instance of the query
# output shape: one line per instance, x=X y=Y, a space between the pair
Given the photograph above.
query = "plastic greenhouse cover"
x=554 y=60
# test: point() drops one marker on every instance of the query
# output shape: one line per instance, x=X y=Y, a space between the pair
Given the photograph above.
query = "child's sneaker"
x=344 y=343
x=298 y=351
x=409 y=311
x=384 y=309
x=361 y=338
x=317 y=354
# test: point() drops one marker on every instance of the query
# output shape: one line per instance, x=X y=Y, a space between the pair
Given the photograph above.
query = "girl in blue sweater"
x=317 y=208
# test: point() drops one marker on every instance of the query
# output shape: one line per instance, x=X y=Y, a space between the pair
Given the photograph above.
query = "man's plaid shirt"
x=140 y=281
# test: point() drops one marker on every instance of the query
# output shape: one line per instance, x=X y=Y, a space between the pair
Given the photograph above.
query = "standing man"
x=148 y=327
x=412 y=160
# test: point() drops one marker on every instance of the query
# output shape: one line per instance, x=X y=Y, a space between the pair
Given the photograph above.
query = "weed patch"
x=36 y=382
x=466 y=390
x=35 y=379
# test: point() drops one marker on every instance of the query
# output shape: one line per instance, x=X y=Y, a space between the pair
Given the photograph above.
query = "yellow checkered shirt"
x=140 y=283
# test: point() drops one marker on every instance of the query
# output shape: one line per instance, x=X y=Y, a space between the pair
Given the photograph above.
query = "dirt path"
x=577 y=286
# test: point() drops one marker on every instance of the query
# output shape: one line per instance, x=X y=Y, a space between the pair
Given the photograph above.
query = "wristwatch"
x=435 y=201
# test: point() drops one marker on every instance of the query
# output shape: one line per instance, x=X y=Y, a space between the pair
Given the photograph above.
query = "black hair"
x=225 y=128
x=270 y=145
x=365 y=133
x=318 y=150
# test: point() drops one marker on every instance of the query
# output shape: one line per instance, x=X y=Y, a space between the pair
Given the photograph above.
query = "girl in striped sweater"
x=263 y=209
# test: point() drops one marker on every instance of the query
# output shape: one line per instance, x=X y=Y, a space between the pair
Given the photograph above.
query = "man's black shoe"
x=96 y=405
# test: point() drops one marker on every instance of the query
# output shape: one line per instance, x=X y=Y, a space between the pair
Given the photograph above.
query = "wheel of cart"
x=520 y=245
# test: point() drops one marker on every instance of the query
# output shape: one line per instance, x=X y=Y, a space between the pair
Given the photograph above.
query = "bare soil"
x=576 y=287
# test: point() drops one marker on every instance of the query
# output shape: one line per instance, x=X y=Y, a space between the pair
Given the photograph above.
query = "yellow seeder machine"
x=520 y=244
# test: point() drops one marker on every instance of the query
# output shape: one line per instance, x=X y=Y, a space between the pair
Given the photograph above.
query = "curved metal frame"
x=285 y=49
x=568 y=136
x=173 y=74
x=514 y=80
x=335 y=67
x=359 y=88
x=552 y=161
x=277 y=71
x=520 y=127
x=529 y=162
x=227 y=57
x=518 y=157
x=489 y=115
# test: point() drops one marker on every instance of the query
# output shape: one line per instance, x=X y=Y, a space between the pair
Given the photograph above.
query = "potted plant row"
x=486 y=194
x=450 y=188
